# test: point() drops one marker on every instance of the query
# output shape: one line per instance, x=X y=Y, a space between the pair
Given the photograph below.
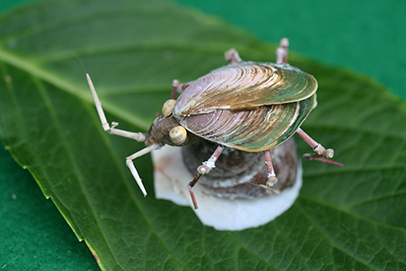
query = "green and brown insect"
x=248 y=106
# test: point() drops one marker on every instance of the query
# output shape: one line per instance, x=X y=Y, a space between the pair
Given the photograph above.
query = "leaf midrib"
x=42 y=75
x=67 y=86
x=70 y=87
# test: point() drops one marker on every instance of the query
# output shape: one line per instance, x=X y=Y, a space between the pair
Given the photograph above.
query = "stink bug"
x=248 y=106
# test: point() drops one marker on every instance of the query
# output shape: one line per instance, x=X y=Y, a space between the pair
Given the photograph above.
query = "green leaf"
x=345 y=218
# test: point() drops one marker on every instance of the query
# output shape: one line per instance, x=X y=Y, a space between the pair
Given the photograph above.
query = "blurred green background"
x=365 y=37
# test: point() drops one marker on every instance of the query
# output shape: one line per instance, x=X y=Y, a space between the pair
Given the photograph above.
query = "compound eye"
x=168 y=107
x=178 y=135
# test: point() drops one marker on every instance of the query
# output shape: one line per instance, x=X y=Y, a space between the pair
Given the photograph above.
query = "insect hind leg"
x=272 y=180
x=271 y=172
x=205 y=168
x=322 y=154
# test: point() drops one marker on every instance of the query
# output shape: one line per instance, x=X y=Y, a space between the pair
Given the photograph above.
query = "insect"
x=248 y=106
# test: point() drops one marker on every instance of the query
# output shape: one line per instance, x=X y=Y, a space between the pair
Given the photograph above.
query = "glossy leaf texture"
x=345 y=218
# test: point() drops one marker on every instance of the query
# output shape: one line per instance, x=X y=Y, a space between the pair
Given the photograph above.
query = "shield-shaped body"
x=248 y=106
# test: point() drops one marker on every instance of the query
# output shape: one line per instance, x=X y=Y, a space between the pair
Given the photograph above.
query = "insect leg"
x=282 y=52
x=177 y=87
x=271 y=172
x=204 y=169
x=232 y=56
x=272 y=180
x=190 y=186
x=130 y=165
x=111 y=129
x=318 y=148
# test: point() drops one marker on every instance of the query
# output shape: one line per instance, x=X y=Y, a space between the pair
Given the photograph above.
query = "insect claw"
x=175 y=83
x=272 y=180
x=329 y=153
x=114 y=124
x=111 y=128
x=264 y=184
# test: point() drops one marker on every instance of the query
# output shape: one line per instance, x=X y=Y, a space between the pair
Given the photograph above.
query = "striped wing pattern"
x=244 y=86
x=250 y=130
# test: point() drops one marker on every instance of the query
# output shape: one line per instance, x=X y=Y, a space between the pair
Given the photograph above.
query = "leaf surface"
x=344 y=218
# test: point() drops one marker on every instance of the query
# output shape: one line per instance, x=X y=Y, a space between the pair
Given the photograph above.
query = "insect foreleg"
x=130 y=165
x=282 y=52
x=204 y=169
x=178 y=87
x=111 y=129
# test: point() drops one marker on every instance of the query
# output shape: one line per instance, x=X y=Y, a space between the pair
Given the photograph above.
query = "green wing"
x=250 y=130
x=245 y=85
